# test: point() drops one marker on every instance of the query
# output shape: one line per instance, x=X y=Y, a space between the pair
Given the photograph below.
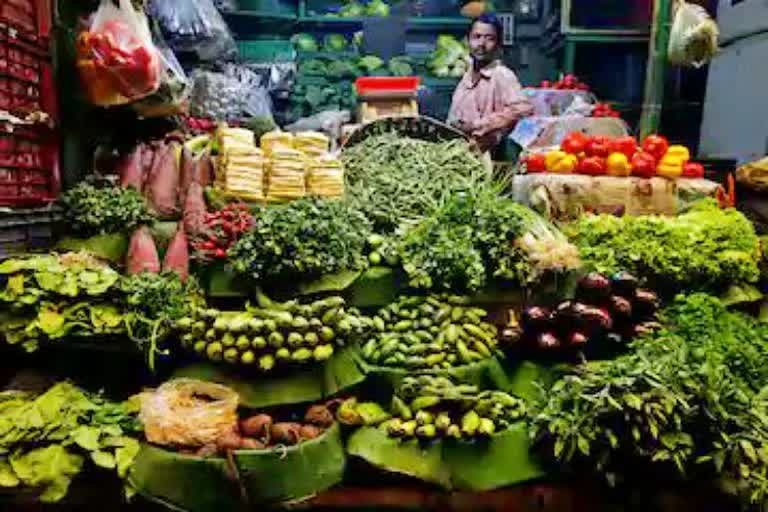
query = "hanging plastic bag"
x=172 y=96
x=693 y=39
x=194 y=26
x=116 y=58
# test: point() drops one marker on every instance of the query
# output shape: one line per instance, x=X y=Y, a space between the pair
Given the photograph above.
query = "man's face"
x=483 y=43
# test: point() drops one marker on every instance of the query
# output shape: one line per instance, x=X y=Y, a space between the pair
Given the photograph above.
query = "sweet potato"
x=142 y=253
x=285 y=433
x=256 y=426
x=251 y=444
x=177 y=256
x=319 y=415
x=229 y=441
x=308 y=432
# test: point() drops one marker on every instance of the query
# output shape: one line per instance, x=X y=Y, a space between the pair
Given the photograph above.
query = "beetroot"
x=163 y=187
x=142 y=253
x=177 y=257
x=130 y=169
x=194 y=210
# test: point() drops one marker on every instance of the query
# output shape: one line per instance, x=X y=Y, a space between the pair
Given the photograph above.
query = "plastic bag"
x=188 y=412
x=116 y=58
x=224 y=97
x=226 y=5
x=175 y=87
x=693 y=39
x=194 y=26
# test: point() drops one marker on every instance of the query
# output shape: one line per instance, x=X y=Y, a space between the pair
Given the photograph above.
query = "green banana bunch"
x=273 y=334
x=435 y=332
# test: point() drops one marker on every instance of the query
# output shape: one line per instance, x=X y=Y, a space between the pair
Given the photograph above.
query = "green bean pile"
x=396 y=180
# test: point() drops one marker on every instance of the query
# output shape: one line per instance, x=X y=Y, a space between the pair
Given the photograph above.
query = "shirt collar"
x=485 y=73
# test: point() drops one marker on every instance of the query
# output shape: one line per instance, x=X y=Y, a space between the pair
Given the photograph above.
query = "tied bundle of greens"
x=396 y=180
x=704 y=249
x=306 y=238
x=690 y=397
x=92 y=211
x=45 y=441
x=153 y=303
x=481 y=236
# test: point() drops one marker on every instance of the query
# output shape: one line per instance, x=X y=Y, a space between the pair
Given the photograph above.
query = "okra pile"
x=430 y=333
x=273 y=334
x=429 y=407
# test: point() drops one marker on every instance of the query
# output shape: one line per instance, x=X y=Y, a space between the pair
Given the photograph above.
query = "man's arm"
x=514 y=105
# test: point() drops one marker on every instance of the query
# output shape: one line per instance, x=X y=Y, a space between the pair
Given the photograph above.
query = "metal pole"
x=656 y=68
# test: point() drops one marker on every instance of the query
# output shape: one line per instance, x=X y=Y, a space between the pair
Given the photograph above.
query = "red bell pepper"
x=693 y=170
x=626 y=145
x=592 y=166
x=643 y=165
x=598 y=145
x=535 y=162
x=656 y=145
x=574 y=143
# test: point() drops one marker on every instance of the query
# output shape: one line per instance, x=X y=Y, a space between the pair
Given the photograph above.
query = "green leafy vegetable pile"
x=304 y=239
x=691 y=397
x=153 y=303
x=396 y=180
x=45 y=441
x=52 y=296
x=96 y=211
x=704 y=249
x=478 y=237
x=450 y=58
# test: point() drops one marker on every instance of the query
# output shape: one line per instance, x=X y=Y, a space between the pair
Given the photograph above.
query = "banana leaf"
x=111 y=247
x=483 y=465
x=183 y=482
x=330 y=282
x=220 y=283
x=312 y=384
x=487 y=374
x=293 y=473
x=377 y=287
x=421 y=461
x=525 y=378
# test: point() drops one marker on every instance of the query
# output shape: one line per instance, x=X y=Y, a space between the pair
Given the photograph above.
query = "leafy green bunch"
x=706 y=248
x=306 y=238
x=690 y=397
x=153 y=303
x=93 y=211
x=480 y=236
x=46 y=440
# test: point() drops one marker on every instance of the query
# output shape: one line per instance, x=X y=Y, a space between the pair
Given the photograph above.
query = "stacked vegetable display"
x=605 y=315
x=621 y=156
x=430 y=333
x=430 y=407
x=273 y=335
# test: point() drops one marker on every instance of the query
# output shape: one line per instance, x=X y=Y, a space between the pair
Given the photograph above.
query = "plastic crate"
x=29 y=20
x=267 y=50
x=26 y=76
x=29 y=169
x=27 y=230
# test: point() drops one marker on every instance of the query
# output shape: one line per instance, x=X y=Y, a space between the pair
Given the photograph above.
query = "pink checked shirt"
x=492 y=102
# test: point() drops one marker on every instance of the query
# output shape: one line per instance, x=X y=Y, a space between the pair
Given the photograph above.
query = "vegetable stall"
x=294 y=318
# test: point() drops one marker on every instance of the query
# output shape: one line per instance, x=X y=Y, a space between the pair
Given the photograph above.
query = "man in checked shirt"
x=489 y=99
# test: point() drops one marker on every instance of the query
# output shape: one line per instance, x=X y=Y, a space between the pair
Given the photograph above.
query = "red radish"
x=142 y=253
x=177 y=257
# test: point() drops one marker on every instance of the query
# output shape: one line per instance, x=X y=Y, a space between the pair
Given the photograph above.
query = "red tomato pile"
x=619 y=156
x=604 y=110
x=567 y=83
x=222 y=229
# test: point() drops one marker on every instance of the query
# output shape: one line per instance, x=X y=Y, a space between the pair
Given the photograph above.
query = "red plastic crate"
x=383 y=85
x=27 y=19
x=29 y=169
